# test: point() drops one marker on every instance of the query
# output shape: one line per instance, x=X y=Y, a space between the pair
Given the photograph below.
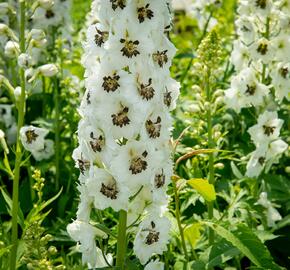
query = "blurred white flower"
x=272 y=214
x=11 y=49
x=48 y=70
x=154 y=265
x=32 y=138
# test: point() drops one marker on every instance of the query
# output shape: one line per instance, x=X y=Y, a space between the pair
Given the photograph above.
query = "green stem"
x=20 y=123
x=57 y=133
x=122 y=241
x=211 y=145
x=178 y=219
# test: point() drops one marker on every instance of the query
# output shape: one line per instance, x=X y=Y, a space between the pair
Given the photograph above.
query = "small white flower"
x=32 y=138
x=107 y=191
x=272 y=214
x=24 y=60
x=267 y=129
x=11 y=49
x=46 y=4
x=152 y=237
x=46 y=153
x=48 y=70
x=85 y=234
x=154 y=265
x=263 y=50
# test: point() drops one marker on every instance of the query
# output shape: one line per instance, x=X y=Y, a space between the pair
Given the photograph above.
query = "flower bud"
x=37 y=34
x=17 y=93
x=4 y=8
x=3 y=29
x=196 y=88
x=46 y=4
x=219 y=166
x=48 y=70
x=3 y=141
x=24 y=60
x=11 y=49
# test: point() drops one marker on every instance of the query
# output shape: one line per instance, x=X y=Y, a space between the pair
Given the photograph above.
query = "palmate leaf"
x=248 y=243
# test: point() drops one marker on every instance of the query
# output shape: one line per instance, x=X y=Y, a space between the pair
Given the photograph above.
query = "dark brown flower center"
x=167 y=98
x=83 y=165
x=111 y=83
x=31 y=136
x=130 y=48
x=88 y=98
x=138 y=164
x=284 y=71
x=153 y=128
x=118 y=3
x=251 y=89
x=268 y=130
x=110 y=190
x=101 y=37
x=160 y=58
x=261 y=3
x=153 y=235
x=144 y=12
x=159 y=180
x=49 y=14
x=261 y=160
x=262 y=48
x=146 y=90
x=97 y=143
x=121 y=118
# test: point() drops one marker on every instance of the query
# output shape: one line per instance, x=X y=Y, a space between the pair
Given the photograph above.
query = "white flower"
x=46 y=4
x=46 y=153
x=154 y=265
x=263 y=50
x=32 y=138
x=11 y=49
x=24 y=60
x=6 y=115
x=281 y=80
x=246 y=29
x=85 y=234
x=240 y=55
x=106 y=190
x=265 y=155
x=272 y=214
x=134 y=164
x=267 y=129
x=152 y=237
x=48 y=70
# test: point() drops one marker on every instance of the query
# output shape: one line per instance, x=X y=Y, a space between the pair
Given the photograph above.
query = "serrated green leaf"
x=248 y=243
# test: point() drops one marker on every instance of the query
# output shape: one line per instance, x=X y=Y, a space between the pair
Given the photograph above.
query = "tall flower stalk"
x=124 y=153
x=18 y=158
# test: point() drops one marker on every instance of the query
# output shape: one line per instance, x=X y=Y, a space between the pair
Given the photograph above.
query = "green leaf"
x=204 y=188
x=20 y=218
x=236 y=171
x=220 y=253
x=192 y=233
x=248 y=243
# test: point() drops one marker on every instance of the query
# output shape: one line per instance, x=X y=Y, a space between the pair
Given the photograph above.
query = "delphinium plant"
x=262 y=63
x=124 y=154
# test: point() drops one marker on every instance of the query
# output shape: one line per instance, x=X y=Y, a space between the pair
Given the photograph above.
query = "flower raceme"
x=261 y=58
x=124 y=155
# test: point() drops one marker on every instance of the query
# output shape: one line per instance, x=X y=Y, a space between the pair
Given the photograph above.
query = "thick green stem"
x=178 y=219
x=122 y=240
x=20 y=123
x=211 y=145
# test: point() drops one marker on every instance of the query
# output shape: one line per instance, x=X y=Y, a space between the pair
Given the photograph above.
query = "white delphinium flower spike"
x=124 y=152
x=261 y=59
